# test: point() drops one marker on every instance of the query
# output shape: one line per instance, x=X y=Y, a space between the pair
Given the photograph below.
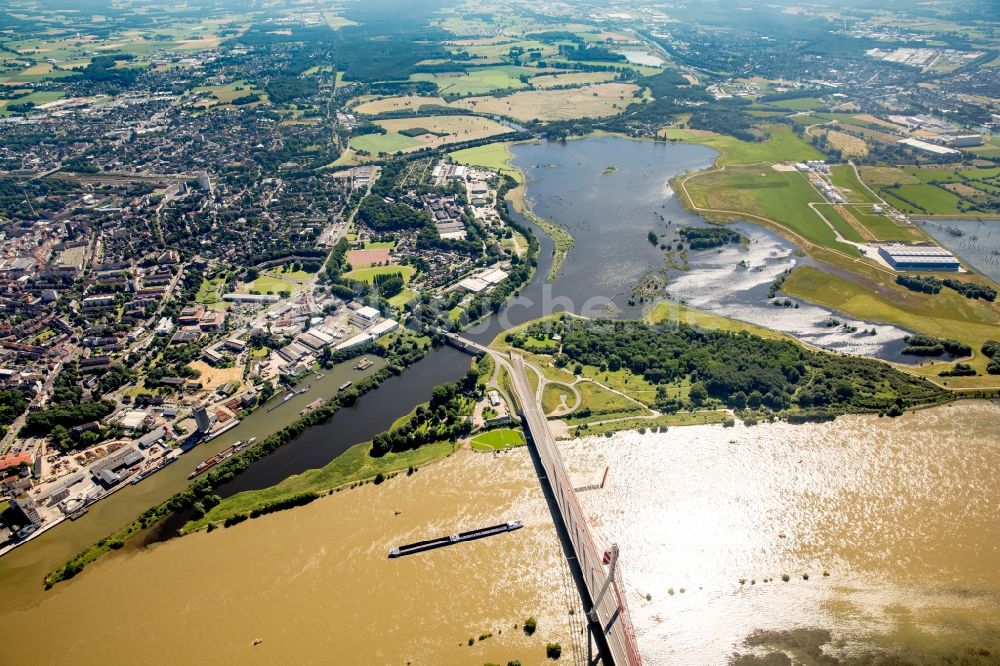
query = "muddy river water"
x=902 y=514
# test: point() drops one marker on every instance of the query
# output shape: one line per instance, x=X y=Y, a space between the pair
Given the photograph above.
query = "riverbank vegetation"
x=354 y=466
x=947 y=314
x=427 y=433
x=690 y=368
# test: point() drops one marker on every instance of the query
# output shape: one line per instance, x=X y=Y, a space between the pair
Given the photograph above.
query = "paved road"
x=612 y=610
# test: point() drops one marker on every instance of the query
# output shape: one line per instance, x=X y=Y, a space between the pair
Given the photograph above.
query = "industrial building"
x=928 y=147
x=364 y=316
x=202 y=419
x=919 y=258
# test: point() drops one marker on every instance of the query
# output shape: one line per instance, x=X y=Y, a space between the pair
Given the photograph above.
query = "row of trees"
x=445 y=418
x=741 y=370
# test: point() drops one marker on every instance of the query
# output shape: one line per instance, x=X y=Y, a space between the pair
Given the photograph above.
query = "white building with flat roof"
x=365 y=316
x=928 y=147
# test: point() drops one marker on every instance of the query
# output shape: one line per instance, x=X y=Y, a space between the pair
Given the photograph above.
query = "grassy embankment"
x=945 y=315
x=351 y=467
x=497 y=156
x=780 y=200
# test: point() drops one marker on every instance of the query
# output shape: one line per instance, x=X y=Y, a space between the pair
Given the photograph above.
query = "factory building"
x=918 y=258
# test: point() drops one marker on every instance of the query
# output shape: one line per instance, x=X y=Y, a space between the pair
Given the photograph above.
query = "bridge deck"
x=612 y=613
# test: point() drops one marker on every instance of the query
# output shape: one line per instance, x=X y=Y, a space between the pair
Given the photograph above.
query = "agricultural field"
x=571 y=79
x=446 y=129
x=606 y=99
x=441 y=130
x=937 y=191
x=848 y=144
x=782 y=145
x=389 y=104
x=478 y=81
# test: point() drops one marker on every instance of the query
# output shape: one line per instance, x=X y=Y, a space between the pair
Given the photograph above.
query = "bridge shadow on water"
x=595 y=631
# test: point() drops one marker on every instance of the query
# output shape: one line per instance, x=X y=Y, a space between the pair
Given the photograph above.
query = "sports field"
x=368 y=274
x=362 y=258
x=495 y=156
x=605 y=99
x=495 y=440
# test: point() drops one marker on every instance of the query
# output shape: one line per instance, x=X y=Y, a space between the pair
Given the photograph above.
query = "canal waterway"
x=23 y=569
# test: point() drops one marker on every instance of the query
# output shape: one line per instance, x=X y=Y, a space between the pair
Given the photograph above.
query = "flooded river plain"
x=901 y=513
x=887 y=529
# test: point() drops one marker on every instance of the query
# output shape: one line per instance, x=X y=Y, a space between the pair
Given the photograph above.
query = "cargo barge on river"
x=471 y=535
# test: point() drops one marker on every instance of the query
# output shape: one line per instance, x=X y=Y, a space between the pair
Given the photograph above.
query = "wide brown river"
x=904 y=515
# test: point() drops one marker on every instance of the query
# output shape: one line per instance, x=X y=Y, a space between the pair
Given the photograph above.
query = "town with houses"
x=160 y=348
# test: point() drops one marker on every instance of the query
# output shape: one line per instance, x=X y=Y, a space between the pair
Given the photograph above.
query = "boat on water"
x=471 y=535
x=344 y=386
x=364 y=363
x=209 y=463
x=288 y=396
x=312 y=406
